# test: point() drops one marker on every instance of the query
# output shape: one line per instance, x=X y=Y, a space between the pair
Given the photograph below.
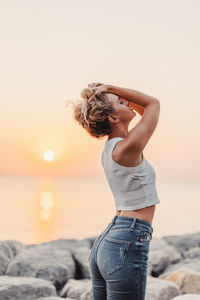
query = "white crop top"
x=132 y=187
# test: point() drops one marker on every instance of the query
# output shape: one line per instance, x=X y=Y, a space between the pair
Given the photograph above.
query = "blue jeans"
x=118 y=260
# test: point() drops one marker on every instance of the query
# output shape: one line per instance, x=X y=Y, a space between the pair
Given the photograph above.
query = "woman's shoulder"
x=122 y=155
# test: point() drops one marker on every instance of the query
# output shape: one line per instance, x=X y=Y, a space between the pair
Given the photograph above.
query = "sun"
x=48 y=155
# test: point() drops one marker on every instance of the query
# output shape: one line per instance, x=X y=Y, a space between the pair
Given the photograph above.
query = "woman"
x=118 y=257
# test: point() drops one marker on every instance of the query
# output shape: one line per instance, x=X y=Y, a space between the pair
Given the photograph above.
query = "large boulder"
x=54 y=298
x=187 y=297
x=18 y=288
x=187 y=279
x=185 y=263
x=49 y=263
x=161 y=255
x=160 y=289
x=80 y=256
x=78 y=289
x=6 y=256
x=64 y=243
x=184 y=242
x=193 y=253
x=15 y=246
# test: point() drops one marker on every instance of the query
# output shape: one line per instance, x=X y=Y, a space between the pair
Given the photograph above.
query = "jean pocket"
x=114 y=254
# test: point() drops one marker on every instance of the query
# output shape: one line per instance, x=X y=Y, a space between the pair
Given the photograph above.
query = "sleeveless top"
x=132 y=187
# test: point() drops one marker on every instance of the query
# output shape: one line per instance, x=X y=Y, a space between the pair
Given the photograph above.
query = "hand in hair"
x=103 y=88
x=93 y=84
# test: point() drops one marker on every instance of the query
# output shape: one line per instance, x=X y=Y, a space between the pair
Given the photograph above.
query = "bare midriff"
x=145 y=213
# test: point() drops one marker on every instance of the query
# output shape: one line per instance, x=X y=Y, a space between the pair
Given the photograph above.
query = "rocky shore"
x=59 y=269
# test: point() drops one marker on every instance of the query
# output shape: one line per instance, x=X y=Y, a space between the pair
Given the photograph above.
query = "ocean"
x=36 y=209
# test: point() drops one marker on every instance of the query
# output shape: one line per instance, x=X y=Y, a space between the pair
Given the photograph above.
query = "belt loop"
x=133 y=224
x=113 y=220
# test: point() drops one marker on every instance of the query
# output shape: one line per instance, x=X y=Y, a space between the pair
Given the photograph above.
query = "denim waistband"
x=132 y=221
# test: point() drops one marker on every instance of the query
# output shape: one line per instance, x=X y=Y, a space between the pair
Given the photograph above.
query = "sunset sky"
x=51 y=50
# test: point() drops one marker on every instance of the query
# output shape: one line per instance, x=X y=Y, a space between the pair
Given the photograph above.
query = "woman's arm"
x=140 y=134
x=137 y=98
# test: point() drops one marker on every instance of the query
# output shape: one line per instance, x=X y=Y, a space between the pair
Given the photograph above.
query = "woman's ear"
x=113 y=118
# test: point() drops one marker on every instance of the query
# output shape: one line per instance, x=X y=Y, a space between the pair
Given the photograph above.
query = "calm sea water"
x=34 y=210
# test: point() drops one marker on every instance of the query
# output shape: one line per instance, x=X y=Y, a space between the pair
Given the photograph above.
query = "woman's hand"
x=100 y=88
x=93 y=84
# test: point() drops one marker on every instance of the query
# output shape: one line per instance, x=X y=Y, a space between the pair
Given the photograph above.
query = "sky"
x=51 y=50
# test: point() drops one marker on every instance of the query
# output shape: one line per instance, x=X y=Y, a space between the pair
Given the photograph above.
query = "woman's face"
x=121 y=106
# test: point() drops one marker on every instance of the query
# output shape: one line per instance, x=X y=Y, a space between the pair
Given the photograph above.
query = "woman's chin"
x=134 y=113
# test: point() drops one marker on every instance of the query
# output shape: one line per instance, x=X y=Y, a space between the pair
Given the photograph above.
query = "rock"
x=188 y=263
x=63 y=264
x=49 y=263
x=157 y=244
x=54 y=298
x=15 y=246
x=18 y=288
x=80 y=256
x=193 y=253
x=6 y=255
x=160 y=289
x=187 y=297
x=51 y=298
x=184 y=242
x=78 y=289
x=187 y=279
x=65 y=244
x=161 y=255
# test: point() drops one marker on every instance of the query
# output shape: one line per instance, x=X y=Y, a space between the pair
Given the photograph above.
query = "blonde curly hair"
x=92 y=112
